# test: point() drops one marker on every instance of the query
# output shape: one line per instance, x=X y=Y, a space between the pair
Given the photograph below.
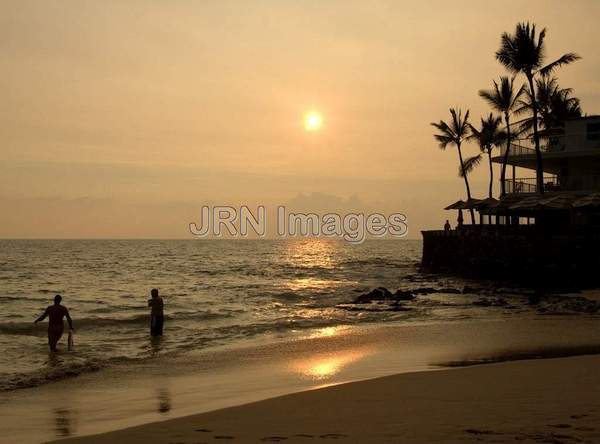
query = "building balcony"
x=553 y=183
x=553 y=144
x=558 y=152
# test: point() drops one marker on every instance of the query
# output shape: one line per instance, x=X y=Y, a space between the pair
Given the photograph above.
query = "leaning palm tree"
x=523 y=53
x=455 y=134
x=488 y=136
x=504 y=98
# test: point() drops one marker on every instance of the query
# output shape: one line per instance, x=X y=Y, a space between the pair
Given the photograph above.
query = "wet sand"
x=199 y=382
x=547 y=400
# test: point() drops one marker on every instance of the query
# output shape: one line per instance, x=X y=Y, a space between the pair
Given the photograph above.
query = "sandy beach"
x=549 y=400
x=326 y=385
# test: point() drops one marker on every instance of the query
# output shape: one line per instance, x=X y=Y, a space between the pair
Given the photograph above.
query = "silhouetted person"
x=157 y=317
x=447 y=226
x=460 y=219
x=55 y=313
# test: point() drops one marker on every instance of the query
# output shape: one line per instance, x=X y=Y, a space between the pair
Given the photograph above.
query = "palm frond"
x=492 y=98
x=566 y=59
x=475 y=134
x=522 y=51
x=502 y=97
x=488 y=135
x=455 y=131
x=506 y=55
x=469 y=165
x=555 y=104
x=522 y=90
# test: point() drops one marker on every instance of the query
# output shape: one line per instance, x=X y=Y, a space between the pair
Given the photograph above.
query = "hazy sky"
x=122 y=118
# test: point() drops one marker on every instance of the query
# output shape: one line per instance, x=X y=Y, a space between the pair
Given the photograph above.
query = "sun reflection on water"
x=313 y=261
x=311 y=284
x=312 y=253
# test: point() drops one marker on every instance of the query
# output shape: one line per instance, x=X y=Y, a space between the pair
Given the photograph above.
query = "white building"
x=571 y=159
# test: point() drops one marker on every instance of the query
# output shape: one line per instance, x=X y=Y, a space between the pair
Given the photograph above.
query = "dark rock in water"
x=383 y=294
x=378 y=294
x=425 y=290
x=403 y=295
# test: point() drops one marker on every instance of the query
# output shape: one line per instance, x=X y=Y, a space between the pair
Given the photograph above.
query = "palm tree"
x=455 y=134
x=555 y=105
x=564 y=107
x=523 y=53
x=488 y=137
x=503 y=99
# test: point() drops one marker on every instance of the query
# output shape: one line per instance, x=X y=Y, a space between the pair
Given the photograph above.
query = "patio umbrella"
x=490 y=202
x=487 y=206
x=458 y=205
x=472 y=203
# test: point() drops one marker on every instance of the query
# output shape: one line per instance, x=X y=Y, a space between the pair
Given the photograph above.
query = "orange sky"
x=120 y=119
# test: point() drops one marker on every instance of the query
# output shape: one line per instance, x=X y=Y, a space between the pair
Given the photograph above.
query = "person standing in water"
x=55 y=313
x=157 y=316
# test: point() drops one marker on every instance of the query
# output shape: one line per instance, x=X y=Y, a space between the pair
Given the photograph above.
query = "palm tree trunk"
x=491 y=171
x=462 y=167
x=536 y=138
x=505 y=160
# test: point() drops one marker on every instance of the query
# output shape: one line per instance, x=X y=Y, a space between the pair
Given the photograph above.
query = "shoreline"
x=202 y=381
x=543 y=400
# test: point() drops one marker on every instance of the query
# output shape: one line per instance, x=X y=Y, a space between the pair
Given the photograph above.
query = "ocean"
x=217 y=292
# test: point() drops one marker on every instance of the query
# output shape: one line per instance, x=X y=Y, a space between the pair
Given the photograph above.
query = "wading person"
x=156 y=313
x=55 y=313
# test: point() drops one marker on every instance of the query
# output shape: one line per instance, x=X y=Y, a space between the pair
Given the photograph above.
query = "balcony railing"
x=551 y=144
x=571 y=183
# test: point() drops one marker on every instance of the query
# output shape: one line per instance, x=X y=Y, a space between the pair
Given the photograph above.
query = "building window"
x=593 y=131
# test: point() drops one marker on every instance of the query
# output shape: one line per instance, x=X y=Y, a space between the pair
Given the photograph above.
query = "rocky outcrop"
x=383 y=294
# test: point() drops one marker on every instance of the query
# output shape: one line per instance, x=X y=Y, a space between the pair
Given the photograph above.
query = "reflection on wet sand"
x=324 y=366
x=330 y=331
x=164 y=400
x=64 y=422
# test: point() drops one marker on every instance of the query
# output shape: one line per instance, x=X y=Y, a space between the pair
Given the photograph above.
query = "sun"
x=313 y=121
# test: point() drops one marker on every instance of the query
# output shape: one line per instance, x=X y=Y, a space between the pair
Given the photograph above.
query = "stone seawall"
x=529 y=257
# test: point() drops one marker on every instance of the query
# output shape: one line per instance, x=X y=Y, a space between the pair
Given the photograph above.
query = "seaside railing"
x=529 y=185
x=551 y=144
x=553 y=183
